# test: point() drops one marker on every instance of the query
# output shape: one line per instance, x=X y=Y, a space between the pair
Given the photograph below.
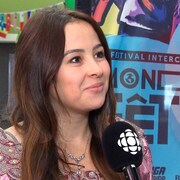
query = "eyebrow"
x=81 y=50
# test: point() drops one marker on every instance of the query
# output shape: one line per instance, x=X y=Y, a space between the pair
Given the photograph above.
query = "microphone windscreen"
x=121 y=146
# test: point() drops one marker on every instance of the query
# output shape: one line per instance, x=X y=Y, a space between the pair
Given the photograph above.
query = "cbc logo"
x=129 y=142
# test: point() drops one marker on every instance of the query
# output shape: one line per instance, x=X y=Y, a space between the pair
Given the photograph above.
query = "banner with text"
x=144 y=40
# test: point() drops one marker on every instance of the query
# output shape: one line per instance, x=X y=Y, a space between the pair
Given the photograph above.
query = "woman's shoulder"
x=10 y=154
x=14 y=134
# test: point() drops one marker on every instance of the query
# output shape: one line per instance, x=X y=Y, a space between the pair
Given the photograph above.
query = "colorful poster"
x=144 y=39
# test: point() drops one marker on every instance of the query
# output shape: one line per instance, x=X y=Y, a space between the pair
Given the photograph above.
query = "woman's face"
x=83 y=78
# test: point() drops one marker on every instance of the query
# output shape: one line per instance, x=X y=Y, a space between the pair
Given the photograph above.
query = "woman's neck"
x=74 y=140
x=73 y=131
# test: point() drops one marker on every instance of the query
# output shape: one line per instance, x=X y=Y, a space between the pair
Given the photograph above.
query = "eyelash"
x=75 y=58
x=98 y=55
x=101 y=53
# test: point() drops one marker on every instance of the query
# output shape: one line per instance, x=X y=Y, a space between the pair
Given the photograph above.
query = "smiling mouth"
x=96 y=88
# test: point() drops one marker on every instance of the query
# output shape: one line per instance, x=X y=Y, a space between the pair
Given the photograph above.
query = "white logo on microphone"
x=129 y=142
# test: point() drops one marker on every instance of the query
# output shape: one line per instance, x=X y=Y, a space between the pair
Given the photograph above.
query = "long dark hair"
x=39 y=53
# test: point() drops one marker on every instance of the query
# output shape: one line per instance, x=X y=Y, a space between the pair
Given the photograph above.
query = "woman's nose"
x=94 y=68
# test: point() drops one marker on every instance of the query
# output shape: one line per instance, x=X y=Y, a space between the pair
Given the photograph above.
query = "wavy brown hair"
x=39 y=53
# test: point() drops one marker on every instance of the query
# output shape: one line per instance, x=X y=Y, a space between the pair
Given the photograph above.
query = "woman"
x=64 y=100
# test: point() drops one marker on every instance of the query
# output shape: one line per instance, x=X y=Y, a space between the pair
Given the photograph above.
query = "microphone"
x=122 y=149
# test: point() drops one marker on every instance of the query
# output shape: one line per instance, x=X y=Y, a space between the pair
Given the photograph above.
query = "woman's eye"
x=75 y=60
x=100 y=54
